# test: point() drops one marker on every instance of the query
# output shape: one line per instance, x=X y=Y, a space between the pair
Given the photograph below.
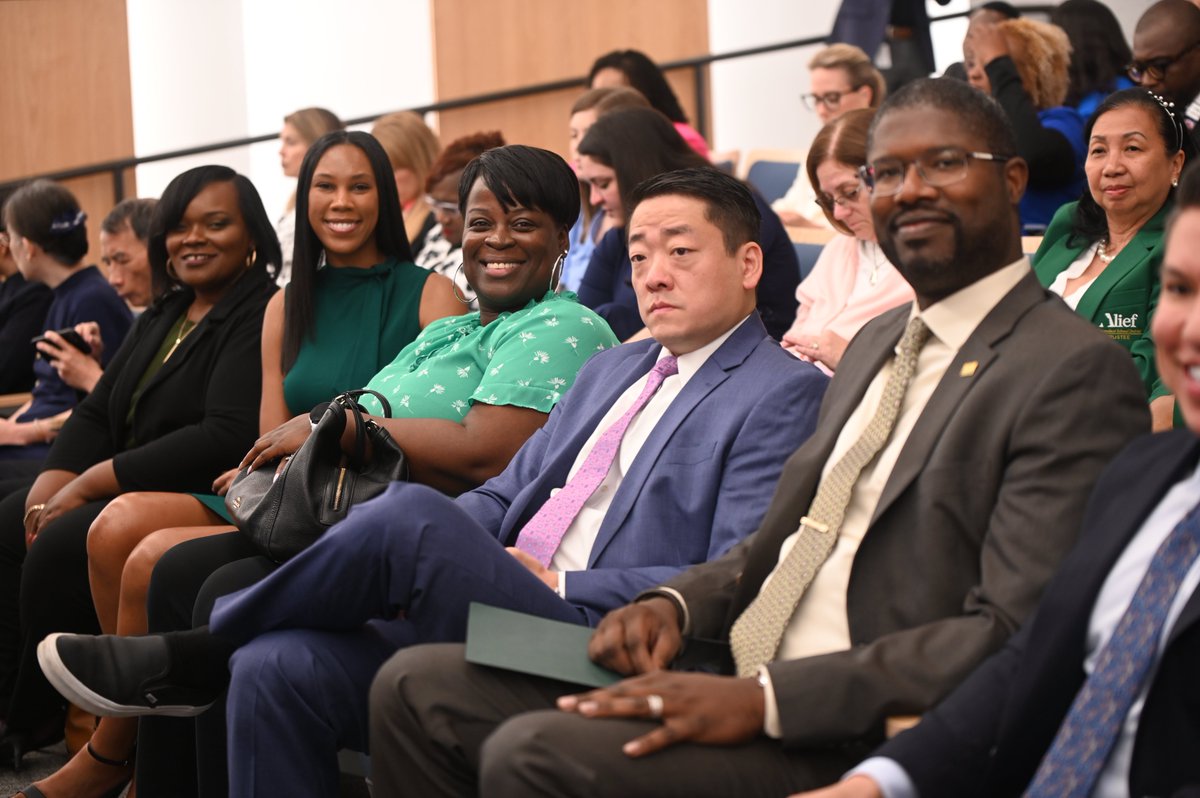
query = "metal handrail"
x=118 y=166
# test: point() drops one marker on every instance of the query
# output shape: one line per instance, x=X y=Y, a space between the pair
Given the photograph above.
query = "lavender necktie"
x=1086 y=736
x=545 y=530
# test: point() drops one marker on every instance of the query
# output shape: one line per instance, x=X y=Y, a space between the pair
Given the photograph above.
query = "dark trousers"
x=185 y=756
x=314 y=632
x=42 y=590
x=443 y=727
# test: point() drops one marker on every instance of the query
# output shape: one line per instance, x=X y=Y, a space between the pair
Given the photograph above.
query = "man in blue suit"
x=689 y=473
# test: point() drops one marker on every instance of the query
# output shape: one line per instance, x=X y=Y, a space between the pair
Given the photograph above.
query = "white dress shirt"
x=575 y=548
x=820 y=624
x=1111 y=603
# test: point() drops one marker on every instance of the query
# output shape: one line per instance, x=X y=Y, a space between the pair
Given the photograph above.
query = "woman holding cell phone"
x=48 y=239
x=78 y=353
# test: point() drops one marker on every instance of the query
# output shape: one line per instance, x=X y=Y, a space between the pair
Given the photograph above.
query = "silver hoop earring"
x=454 y=286
x=556 y=280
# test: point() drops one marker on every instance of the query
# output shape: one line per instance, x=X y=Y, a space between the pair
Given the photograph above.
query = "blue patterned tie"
x=1087 y=734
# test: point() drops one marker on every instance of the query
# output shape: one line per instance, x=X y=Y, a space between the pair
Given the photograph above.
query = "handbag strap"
x=350 y=396
x=346 y=401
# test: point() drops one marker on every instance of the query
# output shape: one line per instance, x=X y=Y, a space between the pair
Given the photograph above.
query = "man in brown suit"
x=907 y=539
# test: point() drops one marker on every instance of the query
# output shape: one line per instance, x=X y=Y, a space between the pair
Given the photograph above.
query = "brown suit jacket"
x=985 y=499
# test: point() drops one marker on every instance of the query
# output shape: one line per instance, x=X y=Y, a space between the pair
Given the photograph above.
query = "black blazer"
x=198 y=415
x=23 y=309
x=989 y=736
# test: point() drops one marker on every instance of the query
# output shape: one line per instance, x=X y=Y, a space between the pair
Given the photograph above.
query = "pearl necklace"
x=1102 y=253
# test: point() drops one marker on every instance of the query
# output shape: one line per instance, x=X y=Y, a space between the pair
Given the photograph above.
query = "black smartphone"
x=70 y=336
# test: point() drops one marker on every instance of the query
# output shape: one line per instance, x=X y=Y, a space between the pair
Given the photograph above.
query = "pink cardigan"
x=828 y=299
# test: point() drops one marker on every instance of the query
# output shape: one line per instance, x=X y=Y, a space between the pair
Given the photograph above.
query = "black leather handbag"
x=285 y=509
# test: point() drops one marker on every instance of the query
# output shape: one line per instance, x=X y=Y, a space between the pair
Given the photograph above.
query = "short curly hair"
x=1042 y=54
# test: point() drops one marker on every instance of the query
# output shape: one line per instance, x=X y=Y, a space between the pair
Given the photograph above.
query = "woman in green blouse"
x=471 y=389
x=467 y=393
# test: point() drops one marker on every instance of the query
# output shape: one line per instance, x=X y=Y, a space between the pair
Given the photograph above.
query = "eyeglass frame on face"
x=843 y=198
x=830 y=99
x=866 y=172
x=1156 y=68
x=442 y=205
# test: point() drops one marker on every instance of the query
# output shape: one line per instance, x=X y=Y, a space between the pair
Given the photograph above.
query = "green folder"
x=532 y=644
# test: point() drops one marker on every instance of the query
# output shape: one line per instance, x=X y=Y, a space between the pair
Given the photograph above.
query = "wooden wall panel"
x=503 y=44
x=65 y=94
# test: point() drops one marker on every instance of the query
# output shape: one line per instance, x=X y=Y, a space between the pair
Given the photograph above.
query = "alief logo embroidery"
x=1122 y=327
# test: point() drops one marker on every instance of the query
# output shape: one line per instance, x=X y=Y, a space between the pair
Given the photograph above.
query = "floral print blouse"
x=527 y=358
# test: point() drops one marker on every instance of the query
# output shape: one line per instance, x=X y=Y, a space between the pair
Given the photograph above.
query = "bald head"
x=1167 y=40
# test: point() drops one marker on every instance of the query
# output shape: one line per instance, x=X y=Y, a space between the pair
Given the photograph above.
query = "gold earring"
x=251 y=259
x=170 y=269
x=454 y=286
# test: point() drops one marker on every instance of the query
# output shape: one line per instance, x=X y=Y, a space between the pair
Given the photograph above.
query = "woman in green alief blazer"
x=1102 y=254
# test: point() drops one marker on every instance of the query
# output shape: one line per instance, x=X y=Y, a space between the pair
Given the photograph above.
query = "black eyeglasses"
x=937 y=167
x=830 y=99
x=844 y=197
x=1155 y=68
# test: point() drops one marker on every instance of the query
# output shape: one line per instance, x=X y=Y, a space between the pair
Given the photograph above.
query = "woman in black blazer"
x=178 y=403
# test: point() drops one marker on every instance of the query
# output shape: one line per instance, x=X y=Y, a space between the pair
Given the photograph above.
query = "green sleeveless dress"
x=362 y=319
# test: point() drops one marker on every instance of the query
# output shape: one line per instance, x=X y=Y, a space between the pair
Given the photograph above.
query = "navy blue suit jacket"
x=701 y=482
x=989 y=736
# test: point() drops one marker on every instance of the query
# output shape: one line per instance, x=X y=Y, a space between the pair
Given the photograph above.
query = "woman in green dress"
x=469 y=391
x=355 y=300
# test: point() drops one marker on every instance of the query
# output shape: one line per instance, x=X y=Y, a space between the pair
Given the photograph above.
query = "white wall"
x=187 y=75
x=239 y=67
x=756 y=101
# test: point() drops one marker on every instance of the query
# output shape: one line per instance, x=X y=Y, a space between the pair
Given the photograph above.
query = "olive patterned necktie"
x=757 y=632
